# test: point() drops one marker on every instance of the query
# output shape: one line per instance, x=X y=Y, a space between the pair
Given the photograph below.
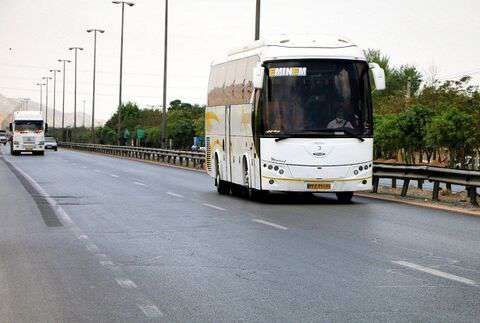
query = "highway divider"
x=406 y=173
x=190 y=159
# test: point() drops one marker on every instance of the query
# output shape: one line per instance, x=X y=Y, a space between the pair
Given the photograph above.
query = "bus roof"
x=297 y=47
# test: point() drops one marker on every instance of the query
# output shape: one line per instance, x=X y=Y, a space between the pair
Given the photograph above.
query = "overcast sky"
x=440 y=33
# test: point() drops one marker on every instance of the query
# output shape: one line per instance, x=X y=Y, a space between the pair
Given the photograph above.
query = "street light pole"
x=54 y=94
x=76 y=49
x=164 y=112
x=41 y=95
x=46 y=78
x=119 y=125
x=83 y=112
x=95 y=31
x=257 y=20
x=63 y=96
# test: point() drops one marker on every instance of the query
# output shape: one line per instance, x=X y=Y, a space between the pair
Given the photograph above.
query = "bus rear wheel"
x=344 y=197
x=223 y=188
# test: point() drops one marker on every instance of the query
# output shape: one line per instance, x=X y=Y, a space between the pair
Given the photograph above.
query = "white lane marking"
x=125 y=283
x=84 y=167
x=97 y=171
x=91 y=247
x=83 y=237
x=175 y=194
x=106 y=263
x=214 y=207
x=115 y=176
x=139 y=184
x=150 y=310
x=278 y=226
x=436 y=272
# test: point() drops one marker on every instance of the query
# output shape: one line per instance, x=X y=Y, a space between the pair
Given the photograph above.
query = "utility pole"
x=54 y=93
x=63 y=96
x=119 y=122
x=257 y=20
x=46 y=78
x=164 y=111
x=95 y=31
x=41 y=95
x=76 y=49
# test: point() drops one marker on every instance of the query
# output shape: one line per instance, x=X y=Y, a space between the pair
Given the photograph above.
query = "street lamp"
x=95 y=31
x=54 y=93
x=164 y=112
x=76 y=49
x=41 y=94
x=64 y=61
x=257 y=20
x=46 y=78
x=130 y=4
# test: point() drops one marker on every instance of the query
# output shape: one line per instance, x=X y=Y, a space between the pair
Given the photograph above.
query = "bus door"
x=228 y=144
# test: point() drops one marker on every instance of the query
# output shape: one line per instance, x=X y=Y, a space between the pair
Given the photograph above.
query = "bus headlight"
x=15 y=142
x=41 y=143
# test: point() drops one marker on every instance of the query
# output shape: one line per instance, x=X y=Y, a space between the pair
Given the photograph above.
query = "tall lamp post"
x=46 y=78
x=95 y=31
x=54 y=94
x=257 y=20
x=41 y=94
x=164 y=112
x=119 y=125
x=76 y=49
x=64 y=61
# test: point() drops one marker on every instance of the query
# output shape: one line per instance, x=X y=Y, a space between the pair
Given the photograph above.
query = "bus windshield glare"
x=315 y=97
x=28 y=125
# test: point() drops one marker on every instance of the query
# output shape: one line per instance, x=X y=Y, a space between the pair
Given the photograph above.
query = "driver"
x=339 y=121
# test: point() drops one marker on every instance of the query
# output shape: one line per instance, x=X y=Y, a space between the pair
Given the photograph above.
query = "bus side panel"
x=215 y=139
x=243 y=151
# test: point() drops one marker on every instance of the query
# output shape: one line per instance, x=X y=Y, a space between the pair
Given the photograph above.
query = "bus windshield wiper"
x=344 y=130
x=281 y=138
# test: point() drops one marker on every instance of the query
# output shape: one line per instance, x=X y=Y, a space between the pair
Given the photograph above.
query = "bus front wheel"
x=344 y=197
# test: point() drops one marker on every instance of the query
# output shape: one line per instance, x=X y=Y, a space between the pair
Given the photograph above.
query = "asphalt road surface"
x=90 y=238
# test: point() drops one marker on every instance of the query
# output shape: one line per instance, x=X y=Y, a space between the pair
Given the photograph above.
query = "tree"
x=454 y=130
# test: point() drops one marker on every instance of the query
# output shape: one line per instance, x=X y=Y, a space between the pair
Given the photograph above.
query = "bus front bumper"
x=316 y=185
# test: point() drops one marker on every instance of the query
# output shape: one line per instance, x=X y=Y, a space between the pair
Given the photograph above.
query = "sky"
x=434 y=35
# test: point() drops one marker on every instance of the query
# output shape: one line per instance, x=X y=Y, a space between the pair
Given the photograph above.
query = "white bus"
x=292 y=115
x=28 y=133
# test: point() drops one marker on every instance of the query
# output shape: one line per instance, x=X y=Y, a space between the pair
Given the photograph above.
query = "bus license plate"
x=28 y=147
x=322 y=186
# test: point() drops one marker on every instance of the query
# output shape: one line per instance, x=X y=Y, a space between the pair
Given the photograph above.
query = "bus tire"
x=258 y=195
x=223 y=188
x=344 y=197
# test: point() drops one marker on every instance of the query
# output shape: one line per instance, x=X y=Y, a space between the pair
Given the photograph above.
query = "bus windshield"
x=28 y=125
x=316 y=96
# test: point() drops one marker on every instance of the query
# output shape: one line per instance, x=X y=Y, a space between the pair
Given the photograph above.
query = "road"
x=91 y=238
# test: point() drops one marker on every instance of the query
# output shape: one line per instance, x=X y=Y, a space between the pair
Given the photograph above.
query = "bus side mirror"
x=378 y=76
x=258 y=75
x=10 y=127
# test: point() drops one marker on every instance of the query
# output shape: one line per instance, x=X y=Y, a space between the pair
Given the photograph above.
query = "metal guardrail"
x=174 y=157
x=407 y=173
x=469 y=179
